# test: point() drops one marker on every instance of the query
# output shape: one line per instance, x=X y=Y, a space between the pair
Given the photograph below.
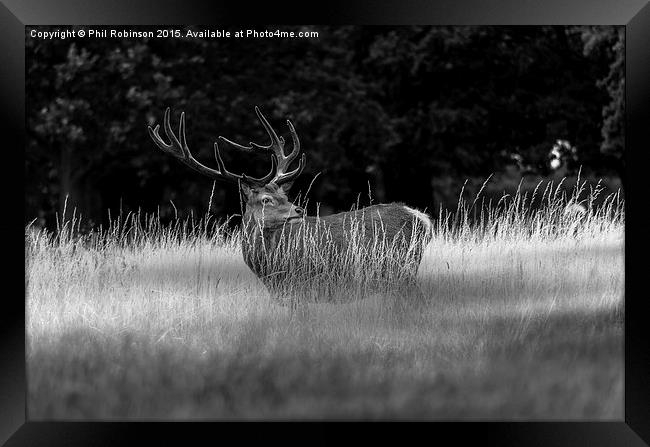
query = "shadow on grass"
x=566 y=365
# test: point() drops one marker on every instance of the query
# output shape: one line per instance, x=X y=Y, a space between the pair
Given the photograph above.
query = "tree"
x=409 y=111
x=608 y=43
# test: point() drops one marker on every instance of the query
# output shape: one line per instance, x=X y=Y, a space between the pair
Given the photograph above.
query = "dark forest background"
x=409 y=112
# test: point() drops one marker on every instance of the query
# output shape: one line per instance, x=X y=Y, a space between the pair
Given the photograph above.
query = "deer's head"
x=266 y=197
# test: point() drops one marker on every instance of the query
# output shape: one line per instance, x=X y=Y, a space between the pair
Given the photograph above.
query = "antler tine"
x=296 y=142
x=275 y=140
x=155 y=136
x=243 y=177
x=279 y=161
x=183 y=139
x=254 y=147
x=250 y=148
x=281 y=178
x=277 y=147
x=179 y=149
x=170 y=133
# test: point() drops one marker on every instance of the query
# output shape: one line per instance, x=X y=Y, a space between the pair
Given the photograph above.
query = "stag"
x=282 y=245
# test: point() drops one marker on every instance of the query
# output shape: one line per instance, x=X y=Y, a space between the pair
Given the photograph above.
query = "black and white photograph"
x=325 y=222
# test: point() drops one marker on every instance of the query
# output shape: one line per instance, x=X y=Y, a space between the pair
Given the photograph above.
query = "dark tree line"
x=410 y=111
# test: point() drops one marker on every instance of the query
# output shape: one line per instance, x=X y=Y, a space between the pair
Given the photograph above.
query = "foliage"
x=609 y=43
x=399 y=109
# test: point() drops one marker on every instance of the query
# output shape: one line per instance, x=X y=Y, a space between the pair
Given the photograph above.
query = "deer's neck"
x=256 y=234
x=250 y=226
x=258 y=245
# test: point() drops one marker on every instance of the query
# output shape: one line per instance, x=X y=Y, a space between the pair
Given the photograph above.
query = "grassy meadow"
x=523 y=319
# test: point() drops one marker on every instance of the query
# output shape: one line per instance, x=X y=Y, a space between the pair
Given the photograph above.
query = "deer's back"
x=379 y=227
x=388 y=221
x=337 y=246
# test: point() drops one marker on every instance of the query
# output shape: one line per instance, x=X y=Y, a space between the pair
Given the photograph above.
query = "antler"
x=179 y=149
x=277 y=151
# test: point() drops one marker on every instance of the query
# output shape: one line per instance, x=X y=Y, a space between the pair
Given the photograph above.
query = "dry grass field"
x=523 y=320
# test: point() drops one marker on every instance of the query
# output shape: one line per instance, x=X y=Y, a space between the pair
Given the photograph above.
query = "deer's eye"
x=267 y=201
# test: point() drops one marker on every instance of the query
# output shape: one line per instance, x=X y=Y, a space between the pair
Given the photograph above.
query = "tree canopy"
x=408 y=111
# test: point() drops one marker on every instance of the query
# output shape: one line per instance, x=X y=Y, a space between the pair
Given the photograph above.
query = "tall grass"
x=312 y=254
x=548 y=213
x=315 y=262
x=523 y=319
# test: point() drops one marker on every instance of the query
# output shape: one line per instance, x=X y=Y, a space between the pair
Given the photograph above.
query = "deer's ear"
x=245 y=191
x=285 y=187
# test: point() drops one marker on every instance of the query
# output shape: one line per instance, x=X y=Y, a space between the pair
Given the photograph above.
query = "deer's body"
x=321 y=244
x=284 y=247
x=392 y=221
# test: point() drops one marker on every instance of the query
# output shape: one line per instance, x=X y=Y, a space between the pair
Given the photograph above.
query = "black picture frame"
x=635 y=15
